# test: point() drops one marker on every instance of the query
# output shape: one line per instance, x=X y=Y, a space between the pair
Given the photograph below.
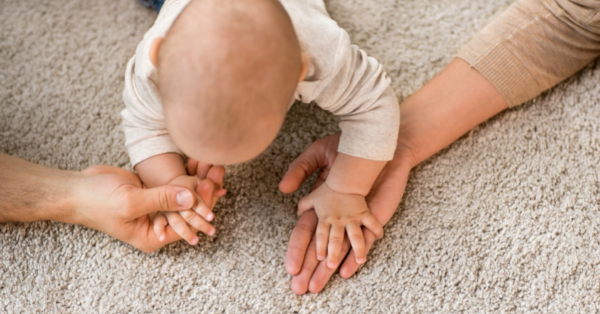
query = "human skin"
x=455 y=101
x=340 y=204
x=105 y=198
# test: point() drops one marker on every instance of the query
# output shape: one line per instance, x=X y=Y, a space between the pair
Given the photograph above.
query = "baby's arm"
x=341 y=206
x=169 y=168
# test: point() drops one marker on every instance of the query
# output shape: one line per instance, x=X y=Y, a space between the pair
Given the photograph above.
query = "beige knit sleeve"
x=534 y=45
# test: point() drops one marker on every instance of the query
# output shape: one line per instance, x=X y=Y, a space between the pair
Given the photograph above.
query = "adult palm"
x=301 y=260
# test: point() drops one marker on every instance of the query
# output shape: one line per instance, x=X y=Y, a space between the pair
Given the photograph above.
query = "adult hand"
x=451 y=104
x=301 y=260
x=113 y=201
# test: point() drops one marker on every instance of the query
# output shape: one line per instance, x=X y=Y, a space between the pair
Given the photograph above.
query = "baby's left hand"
x=338 y=212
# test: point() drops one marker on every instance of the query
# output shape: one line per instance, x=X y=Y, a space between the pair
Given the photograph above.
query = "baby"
x=214 y=79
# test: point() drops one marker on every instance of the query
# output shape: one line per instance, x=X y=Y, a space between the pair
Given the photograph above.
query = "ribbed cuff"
x=501 y=68
x=151 y=147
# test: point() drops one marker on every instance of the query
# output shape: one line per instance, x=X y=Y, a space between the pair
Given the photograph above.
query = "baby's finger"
x=159 y=223
x=355 y=234
x=373 y=224
x=336 y=238
x=322 y=239
x=350 y=265
x=197 y=222
x=181 y=227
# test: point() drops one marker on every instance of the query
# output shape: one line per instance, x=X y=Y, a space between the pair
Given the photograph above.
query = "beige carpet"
x=505 y=220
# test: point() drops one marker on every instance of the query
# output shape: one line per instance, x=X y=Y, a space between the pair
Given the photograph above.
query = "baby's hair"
x=226 y=63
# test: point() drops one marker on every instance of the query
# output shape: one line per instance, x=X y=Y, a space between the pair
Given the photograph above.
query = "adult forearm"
x=30 y=192
x=455 y=101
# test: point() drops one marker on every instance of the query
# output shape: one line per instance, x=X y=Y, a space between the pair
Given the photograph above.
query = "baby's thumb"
x=305 y=204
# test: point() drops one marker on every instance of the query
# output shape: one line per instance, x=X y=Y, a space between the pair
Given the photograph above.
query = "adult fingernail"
x=185 y=199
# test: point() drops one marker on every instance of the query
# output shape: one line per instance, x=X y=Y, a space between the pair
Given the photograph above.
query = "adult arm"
x=108 y=199
x=506 y=66
x=447 y=107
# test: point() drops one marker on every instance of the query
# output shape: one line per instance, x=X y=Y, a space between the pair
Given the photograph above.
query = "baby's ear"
x=304 y=68
x=154 y=48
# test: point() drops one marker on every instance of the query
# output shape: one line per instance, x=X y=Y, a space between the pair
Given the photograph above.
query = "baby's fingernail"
x=321 y=257
x=161 y=238
x=185 y=199
x=194 y=241
x=331 y=265
x=211 y=232
x=362 y=260
x=210 y=216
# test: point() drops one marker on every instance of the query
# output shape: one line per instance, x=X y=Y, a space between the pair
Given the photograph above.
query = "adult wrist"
x=62 y=202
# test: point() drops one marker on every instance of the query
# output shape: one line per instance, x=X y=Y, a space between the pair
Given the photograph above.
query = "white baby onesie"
x=341 y=79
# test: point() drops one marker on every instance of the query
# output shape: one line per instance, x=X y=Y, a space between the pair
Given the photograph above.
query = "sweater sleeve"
x=345 y=81
x=534 y=45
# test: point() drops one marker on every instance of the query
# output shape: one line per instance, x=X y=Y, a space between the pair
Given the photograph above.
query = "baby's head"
x=227 y=72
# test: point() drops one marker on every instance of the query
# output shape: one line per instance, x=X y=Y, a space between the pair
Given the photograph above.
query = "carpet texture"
x=504 y=220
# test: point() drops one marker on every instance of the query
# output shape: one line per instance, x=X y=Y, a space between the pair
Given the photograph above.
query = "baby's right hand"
x=186 y=223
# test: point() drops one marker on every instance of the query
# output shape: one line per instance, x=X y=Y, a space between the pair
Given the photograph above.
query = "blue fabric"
x=155 y=4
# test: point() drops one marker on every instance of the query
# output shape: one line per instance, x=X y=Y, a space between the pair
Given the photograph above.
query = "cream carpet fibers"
x=505 y=220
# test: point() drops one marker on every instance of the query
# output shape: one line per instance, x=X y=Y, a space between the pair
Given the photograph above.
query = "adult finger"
x=371 y=223
x=303 y=167
x=299 y=241
x=355 y=234
x=166 y=198
x=192 y=167
x=305 y=204
x=336 y=238
x=322 y=273
x=301 y=281
x=209 y=193
x=205 y=200
x=181 y=228
x=216 y=174
x=202 y=169
x=350 y=265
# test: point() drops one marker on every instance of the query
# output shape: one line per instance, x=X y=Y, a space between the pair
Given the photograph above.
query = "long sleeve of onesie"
x=144 y=126
x=534 y=45
x=345 y=81
x=341 y=79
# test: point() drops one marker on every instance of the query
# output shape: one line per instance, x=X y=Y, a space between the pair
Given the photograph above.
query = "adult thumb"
x=305 y=204
x=164 y=198
x=301 y=169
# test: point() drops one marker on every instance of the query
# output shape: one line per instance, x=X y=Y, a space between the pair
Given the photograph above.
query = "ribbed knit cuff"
x=499 y=66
